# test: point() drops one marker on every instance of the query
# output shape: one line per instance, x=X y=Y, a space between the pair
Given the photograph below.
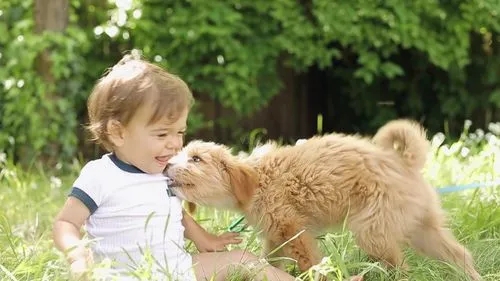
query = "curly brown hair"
x=128 y=85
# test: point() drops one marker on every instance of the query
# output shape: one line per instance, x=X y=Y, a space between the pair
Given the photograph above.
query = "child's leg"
x=220 y=265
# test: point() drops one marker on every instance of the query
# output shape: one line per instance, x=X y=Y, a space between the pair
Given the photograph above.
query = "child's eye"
x=162 y=135
x=182 y=133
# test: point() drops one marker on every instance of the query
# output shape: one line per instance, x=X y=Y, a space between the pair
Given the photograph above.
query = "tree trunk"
x=52 y=16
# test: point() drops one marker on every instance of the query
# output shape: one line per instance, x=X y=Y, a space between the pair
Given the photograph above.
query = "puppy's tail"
x=408 y=138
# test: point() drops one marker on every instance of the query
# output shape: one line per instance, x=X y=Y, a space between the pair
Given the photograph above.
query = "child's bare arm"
x=205 y=241
x=67 y=227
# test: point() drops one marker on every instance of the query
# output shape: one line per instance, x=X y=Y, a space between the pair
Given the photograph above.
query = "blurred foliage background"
x=284 y=69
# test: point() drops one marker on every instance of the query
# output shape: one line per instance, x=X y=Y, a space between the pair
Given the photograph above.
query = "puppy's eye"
x=196 y=158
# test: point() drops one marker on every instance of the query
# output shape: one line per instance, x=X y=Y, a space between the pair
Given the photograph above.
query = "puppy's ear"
x=244 y=181
x=191 y=207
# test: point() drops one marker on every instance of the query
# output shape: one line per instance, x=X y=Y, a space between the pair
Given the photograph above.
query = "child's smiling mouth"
x=163 y=159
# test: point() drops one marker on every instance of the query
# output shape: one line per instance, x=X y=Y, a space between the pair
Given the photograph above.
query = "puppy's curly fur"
x=375 y=185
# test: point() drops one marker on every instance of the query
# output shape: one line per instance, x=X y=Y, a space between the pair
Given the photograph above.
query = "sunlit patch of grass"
x=31 y=198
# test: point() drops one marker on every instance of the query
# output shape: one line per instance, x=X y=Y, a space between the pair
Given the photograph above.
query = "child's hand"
x=214 y=243
x=80 y=262
x=79 y=270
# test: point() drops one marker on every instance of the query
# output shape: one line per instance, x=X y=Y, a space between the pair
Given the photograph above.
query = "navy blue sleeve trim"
x=85 y=198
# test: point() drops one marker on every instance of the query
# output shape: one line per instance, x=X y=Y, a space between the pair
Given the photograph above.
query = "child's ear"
x=116 y=132
x=244 y=181
x=191 y=207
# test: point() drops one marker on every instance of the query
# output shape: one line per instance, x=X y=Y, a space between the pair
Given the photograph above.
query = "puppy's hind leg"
x=273 y=253
x=303 y=248
x=436 y=241
x=375 y=238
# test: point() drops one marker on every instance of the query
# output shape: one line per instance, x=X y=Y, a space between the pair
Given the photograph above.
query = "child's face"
x=149 y=147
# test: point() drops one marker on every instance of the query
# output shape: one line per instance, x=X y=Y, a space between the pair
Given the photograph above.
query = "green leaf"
x=391 y=70
x=495 y=97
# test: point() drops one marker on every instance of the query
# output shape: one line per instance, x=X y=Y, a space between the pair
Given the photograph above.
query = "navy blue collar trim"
x=124 y=166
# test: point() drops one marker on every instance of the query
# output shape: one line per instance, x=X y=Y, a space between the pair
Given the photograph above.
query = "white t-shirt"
x=132 y=213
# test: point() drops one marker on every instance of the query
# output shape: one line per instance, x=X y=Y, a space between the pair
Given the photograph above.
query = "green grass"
x=29 y=200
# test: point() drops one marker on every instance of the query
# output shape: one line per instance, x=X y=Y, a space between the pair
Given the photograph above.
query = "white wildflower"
x=464 y=151
x=454 y=148
x=480 y=133
x=437 y=139
x=492 y=139
x=467 y=124
x=55 y=182
x=494 y=128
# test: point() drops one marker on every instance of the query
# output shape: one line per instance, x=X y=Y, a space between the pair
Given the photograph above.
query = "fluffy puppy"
x=375 y=185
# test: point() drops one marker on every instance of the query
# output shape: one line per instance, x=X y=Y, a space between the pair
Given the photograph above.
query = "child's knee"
x=245 y=256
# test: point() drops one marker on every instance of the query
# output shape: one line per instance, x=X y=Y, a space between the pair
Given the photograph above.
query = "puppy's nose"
x=170 y=181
